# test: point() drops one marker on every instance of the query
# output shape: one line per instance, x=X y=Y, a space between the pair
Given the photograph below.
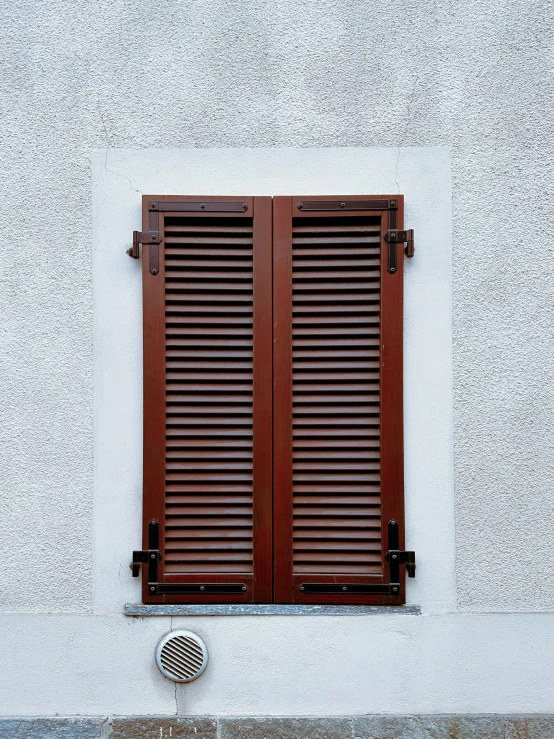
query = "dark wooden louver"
x=338 y=463
x=207 y=398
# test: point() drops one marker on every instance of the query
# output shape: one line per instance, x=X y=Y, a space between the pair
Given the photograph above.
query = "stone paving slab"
x=435 y=726
x=275 y=727
x=52 y=728
x=429 y=727
x=160 y=728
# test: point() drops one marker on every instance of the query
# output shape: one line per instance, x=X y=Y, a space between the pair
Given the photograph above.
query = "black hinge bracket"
x=151 y=556
x=395 y=557
x=182 y=588
x=393 y=236
x=143 y=237
x=320 y=588
x=370 y=204
x=142 y=556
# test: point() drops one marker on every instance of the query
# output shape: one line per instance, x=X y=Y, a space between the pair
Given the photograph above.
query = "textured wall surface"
x=474 y=77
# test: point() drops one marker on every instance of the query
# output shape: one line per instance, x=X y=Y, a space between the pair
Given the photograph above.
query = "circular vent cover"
x=182 y=656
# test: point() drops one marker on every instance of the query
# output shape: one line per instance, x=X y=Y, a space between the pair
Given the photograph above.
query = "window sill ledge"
x=139 y=609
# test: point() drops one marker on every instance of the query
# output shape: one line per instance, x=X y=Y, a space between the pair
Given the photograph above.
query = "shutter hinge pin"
x=393 y=236
x=395 y=557
x=143 y=237
x=142 y=556
x=402 y=558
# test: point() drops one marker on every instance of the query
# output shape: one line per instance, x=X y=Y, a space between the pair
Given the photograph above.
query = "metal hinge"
x=143 y=237
x=151 y=556
x=394 y=556
x=147 y=237
x=393 y=236
x=142 y=556
x=369 y=204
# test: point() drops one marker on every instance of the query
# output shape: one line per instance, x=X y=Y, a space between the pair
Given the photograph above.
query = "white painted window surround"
x=119 y=179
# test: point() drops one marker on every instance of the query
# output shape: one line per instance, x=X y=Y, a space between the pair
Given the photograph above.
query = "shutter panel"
x=338 y=457
x=208 y=398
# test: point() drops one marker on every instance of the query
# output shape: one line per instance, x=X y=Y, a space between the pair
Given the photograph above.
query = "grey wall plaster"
x=474 y=76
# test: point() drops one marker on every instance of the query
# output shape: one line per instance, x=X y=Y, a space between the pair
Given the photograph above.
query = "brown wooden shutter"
x=338 y=459
x=207 y=399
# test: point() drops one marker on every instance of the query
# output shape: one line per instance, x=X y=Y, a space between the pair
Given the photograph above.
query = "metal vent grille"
x=182 y=656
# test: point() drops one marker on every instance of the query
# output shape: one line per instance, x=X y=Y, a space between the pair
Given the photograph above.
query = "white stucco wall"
x=472 y=81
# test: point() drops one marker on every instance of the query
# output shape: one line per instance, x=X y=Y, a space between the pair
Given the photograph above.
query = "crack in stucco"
x=404 y=135
x=108 y=147
x=175 y=695
x=396 y=167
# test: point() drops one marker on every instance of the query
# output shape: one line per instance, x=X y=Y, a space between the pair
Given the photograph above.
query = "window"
x=273 y=460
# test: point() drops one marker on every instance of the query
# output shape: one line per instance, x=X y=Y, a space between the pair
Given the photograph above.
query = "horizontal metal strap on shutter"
x=336 y=398
x=200 y=206
x=346 y=204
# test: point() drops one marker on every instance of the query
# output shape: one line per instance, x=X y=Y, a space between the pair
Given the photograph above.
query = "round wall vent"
x=182 y=656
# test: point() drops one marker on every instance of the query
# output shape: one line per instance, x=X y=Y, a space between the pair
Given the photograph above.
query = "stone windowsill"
x=140 y=609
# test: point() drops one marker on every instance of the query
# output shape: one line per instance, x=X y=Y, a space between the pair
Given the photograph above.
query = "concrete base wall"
x=454 y=726
x=71 y=665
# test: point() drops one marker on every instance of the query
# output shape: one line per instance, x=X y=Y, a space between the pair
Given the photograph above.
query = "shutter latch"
x=393 y=236
x=143 y=237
